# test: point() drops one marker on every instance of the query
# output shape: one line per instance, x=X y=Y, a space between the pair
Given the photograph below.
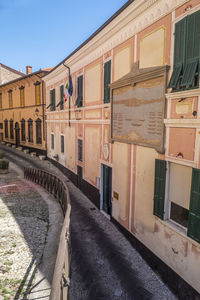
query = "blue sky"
x=41 y=33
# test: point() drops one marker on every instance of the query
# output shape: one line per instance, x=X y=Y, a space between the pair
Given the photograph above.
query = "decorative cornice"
x=136 y=17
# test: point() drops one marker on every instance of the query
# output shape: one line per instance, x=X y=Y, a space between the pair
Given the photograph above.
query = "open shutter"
x=179 y=52
x=192 y=54
x=194 y=213
x=51 y=99
x=159 y=188
x=107 y=78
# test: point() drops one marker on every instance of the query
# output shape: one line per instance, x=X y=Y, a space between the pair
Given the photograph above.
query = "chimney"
x=28 y=70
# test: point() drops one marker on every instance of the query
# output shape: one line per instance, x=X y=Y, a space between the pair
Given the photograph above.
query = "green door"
x=107 y=189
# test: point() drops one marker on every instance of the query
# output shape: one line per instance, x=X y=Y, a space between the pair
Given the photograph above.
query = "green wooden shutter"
x=192 y=54
x=61 y=97
x=79 y=100
x=51 y=100
x=159 y=188
x=179 y=52
x=107 y=79
x=194 y=212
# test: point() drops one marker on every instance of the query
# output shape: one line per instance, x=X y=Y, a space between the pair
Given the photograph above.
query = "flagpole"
x=69 y=94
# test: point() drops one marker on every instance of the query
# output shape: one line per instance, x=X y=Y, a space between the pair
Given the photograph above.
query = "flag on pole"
x=68 y=89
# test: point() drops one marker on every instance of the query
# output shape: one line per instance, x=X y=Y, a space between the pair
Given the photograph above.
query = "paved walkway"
x=104 y=264
x=28 y=245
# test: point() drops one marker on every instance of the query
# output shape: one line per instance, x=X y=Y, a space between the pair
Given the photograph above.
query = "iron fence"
x=54 y=185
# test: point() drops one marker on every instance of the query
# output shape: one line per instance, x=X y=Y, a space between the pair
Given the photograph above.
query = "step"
x=33 y=153
x=13 y=146
x=26 y=151
x=42 y=157
x=19 y=148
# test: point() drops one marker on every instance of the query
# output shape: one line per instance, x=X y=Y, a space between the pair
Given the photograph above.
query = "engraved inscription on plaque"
x=138 y=113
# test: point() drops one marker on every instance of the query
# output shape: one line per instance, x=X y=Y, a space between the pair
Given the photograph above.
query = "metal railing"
x=54 y=185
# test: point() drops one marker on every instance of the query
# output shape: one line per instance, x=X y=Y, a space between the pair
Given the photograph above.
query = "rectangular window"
x=30 y=131
x=183 y=197
x=38 y=131
x=61 y=97
x=11 y=130
x=79 y=100
x=6 y=128
x=107 y=80
x=0 y=100
x=52 y=141
x=23 y=130
x=21 y=89
x=10 y=99
x=62 y=144
x=80 y=150
x=186 y=53
x=37 y=93
x=52 y=100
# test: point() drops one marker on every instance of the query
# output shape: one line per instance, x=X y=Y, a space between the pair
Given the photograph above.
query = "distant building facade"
x=22 y=112
x=7 y=74
x=129 y=135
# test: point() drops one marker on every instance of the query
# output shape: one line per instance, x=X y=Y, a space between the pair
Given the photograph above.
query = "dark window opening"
x=6 y=128
x=38 y=131
x=52 y=141
x=30 y=131
x=23 y=130
x=179 y=214
x=62 y=143
x=11 y=130
x=80 y=150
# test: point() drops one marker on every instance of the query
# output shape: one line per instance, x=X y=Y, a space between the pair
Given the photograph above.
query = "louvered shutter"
x=192 y=54
x=194 y=212
x=61 y=97
x=107 y=79
x=179 y=52
x=159 y=188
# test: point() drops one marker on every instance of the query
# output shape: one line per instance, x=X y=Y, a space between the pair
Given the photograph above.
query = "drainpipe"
x=69 y=95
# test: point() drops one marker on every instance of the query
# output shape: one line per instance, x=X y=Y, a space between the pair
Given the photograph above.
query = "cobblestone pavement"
x=24 y=236
x=104 y=264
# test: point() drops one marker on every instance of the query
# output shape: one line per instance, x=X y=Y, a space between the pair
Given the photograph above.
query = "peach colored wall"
x=182 y=142
x=184 y=109
x=190 y=4
x=92 y=153
x=165 y=23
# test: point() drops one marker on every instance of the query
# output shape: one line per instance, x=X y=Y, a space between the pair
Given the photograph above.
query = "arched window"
x=11 y=130
x=38 y=131
x=30 y=131
x=6 y=128
x=23 y=130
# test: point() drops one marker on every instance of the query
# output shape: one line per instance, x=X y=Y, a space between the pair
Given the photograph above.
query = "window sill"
x=183 y=94
x=179 y=230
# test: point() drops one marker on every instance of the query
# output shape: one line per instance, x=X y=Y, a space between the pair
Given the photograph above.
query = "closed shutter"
x=61 y=97
x=159 y=188
x=194 y=212
x=107 y=78
x=79 y=100
x=179 y=52
x=192 y=54
x=53 y=99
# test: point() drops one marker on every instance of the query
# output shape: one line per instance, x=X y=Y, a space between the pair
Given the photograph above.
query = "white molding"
x=131 y=188
x=179 y=161
x=182 y=123
x=183 y=94
x=105 y=122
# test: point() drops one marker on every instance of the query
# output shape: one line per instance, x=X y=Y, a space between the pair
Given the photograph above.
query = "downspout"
x=69 y=95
